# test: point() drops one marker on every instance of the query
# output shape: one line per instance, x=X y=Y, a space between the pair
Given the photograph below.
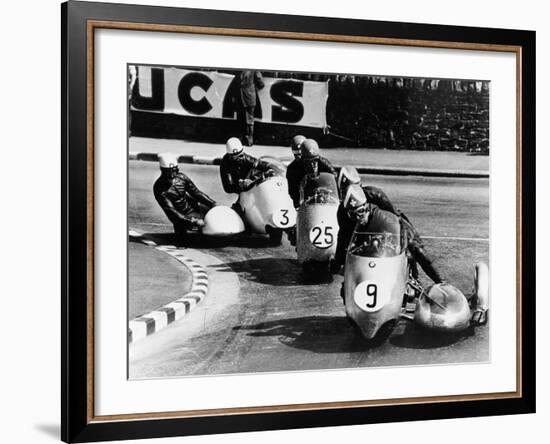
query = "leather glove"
x=245 y=183
x=197 y=222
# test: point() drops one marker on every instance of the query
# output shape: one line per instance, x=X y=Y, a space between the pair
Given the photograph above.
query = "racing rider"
x=349 y=176
x=355 y=207
x=182 y=202
x=235 y=166
x=309 y=162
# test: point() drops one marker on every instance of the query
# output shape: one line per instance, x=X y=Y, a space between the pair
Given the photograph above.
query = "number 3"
x=284 y=219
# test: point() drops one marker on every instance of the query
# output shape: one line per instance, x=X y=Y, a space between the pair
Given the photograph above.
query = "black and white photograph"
x=290 y=221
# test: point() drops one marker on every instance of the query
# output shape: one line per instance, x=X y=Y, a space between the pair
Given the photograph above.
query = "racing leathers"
x=299 y=168
x=234 y=170
x=182 y=202
x=415 y=245
x=379 y=198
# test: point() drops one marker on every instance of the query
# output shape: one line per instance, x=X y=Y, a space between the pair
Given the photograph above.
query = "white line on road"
x=478 y=239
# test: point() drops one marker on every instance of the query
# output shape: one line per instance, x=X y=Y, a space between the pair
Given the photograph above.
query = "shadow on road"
x=414 y=337
x=336 y=334
x=269 y=270
x=279 y=271
x=319 y=334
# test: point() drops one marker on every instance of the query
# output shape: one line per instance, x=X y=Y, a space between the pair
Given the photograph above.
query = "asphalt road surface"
x=278 y=320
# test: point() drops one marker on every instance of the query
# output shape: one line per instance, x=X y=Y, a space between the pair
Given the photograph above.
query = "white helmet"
x=348 y=176
x=234 y=146
x=355 y=196
x=168 y=160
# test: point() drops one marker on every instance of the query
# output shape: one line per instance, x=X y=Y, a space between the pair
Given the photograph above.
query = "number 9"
x=372 y=292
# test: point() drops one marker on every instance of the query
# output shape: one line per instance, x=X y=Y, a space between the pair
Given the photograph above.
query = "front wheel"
x=381 y=336
x=275 y=237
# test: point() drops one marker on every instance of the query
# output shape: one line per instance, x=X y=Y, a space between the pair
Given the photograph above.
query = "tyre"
x=383 y=334
x=275 y=237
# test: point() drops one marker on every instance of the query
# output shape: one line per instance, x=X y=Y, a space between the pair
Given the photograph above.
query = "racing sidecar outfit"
x=299 y=168
x=182 y=202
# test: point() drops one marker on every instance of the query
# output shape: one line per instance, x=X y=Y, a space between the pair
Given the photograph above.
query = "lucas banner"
x=217 y=95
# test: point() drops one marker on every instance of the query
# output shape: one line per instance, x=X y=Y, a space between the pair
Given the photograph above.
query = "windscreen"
x=319 y=190
x=368 y=244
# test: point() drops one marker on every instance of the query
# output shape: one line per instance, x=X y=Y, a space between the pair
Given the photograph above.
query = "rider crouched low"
x=309 y=162
x=354 y=208
x=349 y=177
x=235 y=167
x=180 y=199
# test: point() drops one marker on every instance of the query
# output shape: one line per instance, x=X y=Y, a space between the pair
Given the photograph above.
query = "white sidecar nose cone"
x=444 y=308
x=222 y=221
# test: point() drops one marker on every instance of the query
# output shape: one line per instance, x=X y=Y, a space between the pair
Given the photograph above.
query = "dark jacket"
x=378 y=220
x=379 y=198
x=296 y=171
x=250 y=80
x=180 y=199
x=233 y=168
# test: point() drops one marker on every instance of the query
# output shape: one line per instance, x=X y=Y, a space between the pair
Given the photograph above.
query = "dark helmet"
x=296 y=144
x=309 y=149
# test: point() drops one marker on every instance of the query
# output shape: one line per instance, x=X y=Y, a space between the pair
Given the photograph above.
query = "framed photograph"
x=275 y=221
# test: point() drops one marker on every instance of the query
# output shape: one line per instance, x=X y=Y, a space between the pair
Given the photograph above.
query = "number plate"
x=322 y=236
x=371 y=296
x=282 y=218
